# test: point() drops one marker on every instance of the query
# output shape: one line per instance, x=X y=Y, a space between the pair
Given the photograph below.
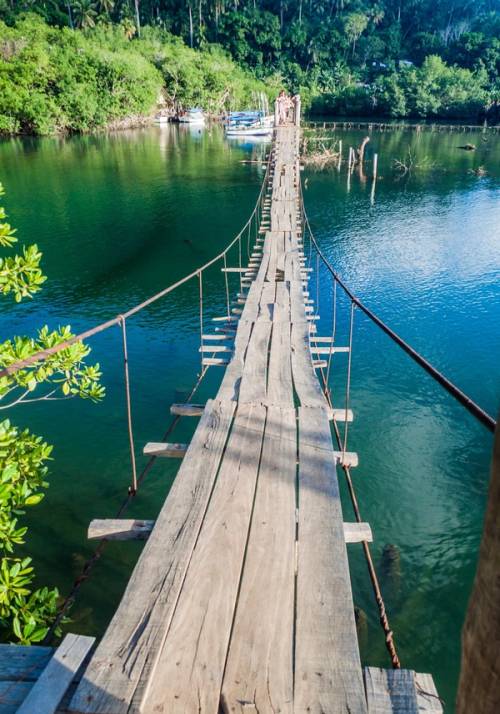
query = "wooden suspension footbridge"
x=241 y=599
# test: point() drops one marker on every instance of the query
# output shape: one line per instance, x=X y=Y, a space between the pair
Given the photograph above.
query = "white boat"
x=193 y=116
x=161 y=120
x=249 y=131
x=249 y=124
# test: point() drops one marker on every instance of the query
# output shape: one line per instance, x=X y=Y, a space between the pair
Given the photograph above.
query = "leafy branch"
x=65 y=371
x=19 y=274
x=26 y=613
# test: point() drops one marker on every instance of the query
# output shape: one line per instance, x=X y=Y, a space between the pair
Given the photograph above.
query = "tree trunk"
x=479 y=685
x=190 y=27
x=137 y=18
x=70 y=16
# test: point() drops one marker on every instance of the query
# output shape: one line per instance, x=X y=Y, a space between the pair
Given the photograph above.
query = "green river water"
x=120 y=216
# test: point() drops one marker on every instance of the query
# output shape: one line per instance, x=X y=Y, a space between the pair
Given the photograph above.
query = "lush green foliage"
x=55 y=79
x=418 y=57
x=26 y=613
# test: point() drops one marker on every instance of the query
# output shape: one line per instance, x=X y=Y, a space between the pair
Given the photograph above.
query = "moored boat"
x=192 y=116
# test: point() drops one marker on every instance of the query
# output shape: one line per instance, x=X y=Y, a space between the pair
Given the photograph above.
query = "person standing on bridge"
x=284 y=105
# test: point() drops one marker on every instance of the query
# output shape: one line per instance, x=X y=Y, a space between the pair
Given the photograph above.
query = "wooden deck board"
x=189 y=670
x=259 y=668
x=327 y=666
x=123 y=661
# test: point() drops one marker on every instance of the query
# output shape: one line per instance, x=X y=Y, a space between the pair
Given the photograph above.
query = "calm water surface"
x=119 y=217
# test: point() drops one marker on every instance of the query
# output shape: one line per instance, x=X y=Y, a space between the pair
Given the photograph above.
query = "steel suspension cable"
x=383 y=618
x=133 y=486
x=478 y=412
x=91 y=562
x=48 y=352
x=200 y=277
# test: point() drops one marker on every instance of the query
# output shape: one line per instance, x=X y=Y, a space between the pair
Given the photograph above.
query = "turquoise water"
x=118 y=217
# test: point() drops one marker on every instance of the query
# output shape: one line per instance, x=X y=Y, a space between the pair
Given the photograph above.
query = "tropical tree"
x=354 y=25
x=85 y=14
x=105 y=7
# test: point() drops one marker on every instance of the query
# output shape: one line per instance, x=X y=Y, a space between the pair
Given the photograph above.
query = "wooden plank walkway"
x=241 y=599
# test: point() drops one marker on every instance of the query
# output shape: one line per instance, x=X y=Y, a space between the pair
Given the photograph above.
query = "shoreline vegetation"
x=83 y=66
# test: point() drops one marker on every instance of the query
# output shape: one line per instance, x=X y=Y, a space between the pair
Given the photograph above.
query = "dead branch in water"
x=323 y=153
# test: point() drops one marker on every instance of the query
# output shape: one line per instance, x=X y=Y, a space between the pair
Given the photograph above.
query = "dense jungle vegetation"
x=81 y=64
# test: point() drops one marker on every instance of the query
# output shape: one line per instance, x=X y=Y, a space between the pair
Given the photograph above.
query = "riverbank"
x=56 y=80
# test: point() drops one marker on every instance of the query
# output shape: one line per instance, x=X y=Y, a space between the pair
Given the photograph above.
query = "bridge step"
x=47 y=693
x=193 y=410
x=160 y=448
x=214 y=362
x=357 y=532
x=215 y=348
x=134 y=529
x=350 y=458
x=319 y=363
x=341 y=414
x=229 y=330
x=400 y=691
x=217 y=337
x=119 y=529
x=225 y=319
x=327 y=350
x=233 y=270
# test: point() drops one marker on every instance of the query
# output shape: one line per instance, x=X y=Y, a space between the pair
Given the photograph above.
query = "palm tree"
x=128 y=27
x=85 y=14
x=106 y=7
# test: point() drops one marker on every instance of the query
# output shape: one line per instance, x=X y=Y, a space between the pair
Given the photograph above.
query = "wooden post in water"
x=297 y=109
x=340 y=155
x=374 y=178
x=479 y=685
x=349 y=169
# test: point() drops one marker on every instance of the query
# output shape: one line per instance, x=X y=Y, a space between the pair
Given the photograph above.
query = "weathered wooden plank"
x=47 y=692
x=188 y=674
x=259 y=670
x=342 y=414
x=119 y=529
x=328 y=350
x=347 y=458
x=194 y=410
x=12 y=695
x=305 y=381
x=231 y=381
x=215 y=348
x=357 y=532
x=23 y=663
x=253 y=387
x=280 y=384
x=215 y=361
x=427 y=696
x=390 y=691
x=165 y=449
x=327 y=665
x=124 y=658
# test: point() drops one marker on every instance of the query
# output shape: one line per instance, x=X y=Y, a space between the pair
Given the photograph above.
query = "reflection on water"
x=120 y=216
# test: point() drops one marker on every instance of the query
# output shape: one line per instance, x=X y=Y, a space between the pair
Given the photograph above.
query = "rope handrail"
x=42 y=355
x=478 y=412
